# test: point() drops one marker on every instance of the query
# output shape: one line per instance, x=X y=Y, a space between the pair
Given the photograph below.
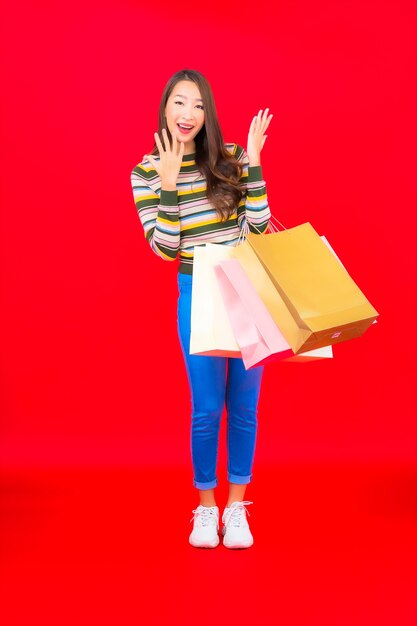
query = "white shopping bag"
x=211 y=332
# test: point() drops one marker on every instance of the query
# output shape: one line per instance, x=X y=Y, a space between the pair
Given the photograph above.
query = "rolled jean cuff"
x=239 y=480
x=203 y=486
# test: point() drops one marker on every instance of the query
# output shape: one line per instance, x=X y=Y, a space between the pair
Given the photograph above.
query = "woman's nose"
x=188 y=114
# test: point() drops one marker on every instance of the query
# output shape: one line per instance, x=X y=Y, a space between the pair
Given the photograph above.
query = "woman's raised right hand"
x=170 y=159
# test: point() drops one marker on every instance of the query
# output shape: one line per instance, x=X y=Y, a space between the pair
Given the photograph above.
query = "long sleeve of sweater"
x=158 y=211
x=253 y=211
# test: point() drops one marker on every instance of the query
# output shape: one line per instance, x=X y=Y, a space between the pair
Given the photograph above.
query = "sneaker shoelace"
x=236 y=513
x=207 y=515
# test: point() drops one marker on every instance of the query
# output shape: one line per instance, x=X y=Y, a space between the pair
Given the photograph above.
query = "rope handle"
x=272 y=227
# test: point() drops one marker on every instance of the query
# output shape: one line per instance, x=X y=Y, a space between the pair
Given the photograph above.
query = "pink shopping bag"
x=257 y=335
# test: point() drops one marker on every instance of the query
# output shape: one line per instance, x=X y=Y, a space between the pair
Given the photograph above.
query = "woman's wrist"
x=168 y=186
x=254 y=160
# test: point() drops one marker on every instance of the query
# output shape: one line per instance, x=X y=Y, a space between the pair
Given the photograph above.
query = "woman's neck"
x=189 y=148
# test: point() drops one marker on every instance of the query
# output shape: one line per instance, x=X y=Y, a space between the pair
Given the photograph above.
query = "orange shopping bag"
x=316 y=303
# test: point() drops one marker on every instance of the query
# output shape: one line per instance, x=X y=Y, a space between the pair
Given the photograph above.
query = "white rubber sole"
x=205 y=545
x=237 y=546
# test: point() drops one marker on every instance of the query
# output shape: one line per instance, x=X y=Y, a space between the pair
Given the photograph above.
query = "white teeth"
x=185 y=127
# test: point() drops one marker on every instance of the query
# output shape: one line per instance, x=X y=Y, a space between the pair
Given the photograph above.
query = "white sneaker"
x=236 y=532
x=205 y=533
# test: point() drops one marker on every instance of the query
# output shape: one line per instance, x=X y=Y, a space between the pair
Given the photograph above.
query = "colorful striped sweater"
x=176 y=221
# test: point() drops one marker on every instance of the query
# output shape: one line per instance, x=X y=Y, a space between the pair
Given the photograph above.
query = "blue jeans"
x=216 y=381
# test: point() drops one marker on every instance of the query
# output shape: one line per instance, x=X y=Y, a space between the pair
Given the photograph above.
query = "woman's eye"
x=178 y=102
x=200 y=106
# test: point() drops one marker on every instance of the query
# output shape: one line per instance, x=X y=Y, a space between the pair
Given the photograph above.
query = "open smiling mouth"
x=185 y=129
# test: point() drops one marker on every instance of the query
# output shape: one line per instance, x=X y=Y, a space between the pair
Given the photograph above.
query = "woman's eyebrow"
x=178 y=95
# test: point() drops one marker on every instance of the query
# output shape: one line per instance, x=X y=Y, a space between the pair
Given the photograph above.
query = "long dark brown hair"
x=220 y=169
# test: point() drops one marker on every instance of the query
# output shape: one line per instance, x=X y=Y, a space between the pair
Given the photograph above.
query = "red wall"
x=91 y=369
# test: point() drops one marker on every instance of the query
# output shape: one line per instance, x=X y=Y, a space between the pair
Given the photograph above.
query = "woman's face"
x=184 y=113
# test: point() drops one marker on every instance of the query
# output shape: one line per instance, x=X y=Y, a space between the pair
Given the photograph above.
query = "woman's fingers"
x=264 y=118
x=166 y=140
x=151 y=161
x=170 y=155
x=261 y=121
x=267 y=122
x=257 y=120
x=174 y=144
x=158 y=143
x=167 y=147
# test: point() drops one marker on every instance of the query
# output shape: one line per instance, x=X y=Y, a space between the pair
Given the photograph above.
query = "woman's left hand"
x=257 y=137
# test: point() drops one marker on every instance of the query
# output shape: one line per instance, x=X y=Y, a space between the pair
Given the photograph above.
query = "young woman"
x=191 y=190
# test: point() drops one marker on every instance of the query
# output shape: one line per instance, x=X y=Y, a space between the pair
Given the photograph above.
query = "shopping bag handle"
x=272 y=226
